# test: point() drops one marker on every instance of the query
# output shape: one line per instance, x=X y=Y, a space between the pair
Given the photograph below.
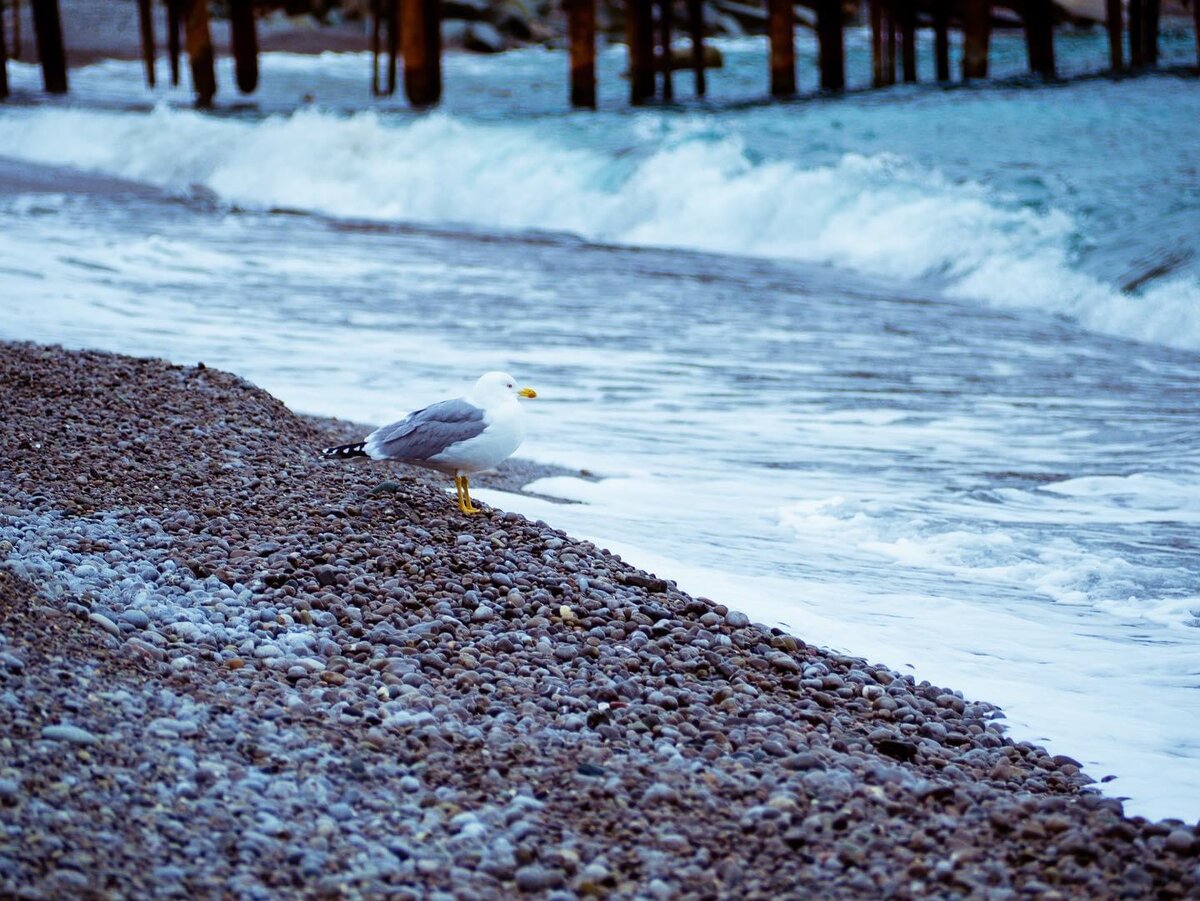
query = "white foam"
x=689 y=184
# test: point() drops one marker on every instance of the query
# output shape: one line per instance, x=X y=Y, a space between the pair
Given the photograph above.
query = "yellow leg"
x=464 y=495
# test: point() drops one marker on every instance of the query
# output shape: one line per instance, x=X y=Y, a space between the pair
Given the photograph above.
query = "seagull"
x=460 y=436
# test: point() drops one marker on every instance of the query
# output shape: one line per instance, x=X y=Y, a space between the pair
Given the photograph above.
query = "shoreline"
x=232 y=667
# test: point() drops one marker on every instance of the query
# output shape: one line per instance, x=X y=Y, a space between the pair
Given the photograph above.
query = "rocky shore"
x=231 y=669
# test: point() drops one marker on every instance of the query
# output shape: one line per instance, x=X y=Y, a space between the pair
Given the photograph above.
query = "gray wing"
x=426 y=433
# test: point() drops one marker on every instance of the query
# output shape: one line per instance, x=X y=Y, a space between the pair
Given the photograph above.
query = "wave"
x=672 y=186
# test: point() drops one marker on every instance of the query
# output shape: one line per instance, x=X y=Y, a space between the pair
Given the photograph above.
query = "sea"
x=913 y=374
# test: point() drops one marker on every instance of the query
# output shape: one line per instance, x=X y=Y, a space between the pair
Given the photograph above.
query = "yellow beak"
x=527 y=392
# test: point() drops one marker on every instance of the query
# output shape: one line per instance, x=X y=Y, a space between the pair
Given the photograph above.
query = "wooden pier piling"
x=15 y=6
x=908 y=39
x=173 y=48
x=941 y=39
x=198 y=39
x=1196 y=25
x=393 y=43
x=977 y=32
x=48 y=28
x=695 y=10
x=581 y=28
x=1136 y=59
x=421 y=34
x=1039 y=37
x=883 y=42
x=146 y=29
x=831 y=45
x=781 y=25
x=639 y=38
x=1112 y=15
x=3 y=59
x=243 y=37
x=664 y=52
x=1150 y=12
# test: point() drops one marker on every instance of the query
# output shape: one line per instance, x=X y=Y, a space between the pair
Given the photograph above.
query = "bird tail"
x=342 y=451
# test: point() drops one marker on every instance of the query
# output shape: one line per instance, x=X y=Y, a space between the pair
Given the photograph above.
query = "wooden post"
x=941 y=39
x=664 y=40
x=581 y=27
x=16 y=20
x=146 y=27
x=875 y=17
x=889 y=10
x=1039 y=37
x=1196 y=27
x=421 y=32
x=200 y=53
x=393 y=43
x=173 y=48
x=376 y=31
x=883 y=43
x=639 y=38
x=3 y=59
x=831 y=45
x=48 y=28
x=696 y=28
x=977 y=31
x=244 y=43
x=781 y=29
x=1150 y=10
x=1136 y=60
x=908 y=39
x=1112 y=15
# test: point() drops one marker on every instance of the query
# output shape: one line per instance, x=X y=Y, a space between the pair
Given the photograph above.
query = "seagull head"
x=496 y=387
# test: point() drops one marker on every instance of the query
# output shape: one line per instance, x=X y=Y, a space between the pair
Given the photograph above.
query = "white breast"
x=503 y=433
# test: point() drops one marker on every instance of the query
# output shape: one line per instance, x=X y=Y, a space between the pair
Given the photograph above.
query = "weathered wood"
x=831 y=45
x=941 y=39
x=376 y=33
x=243 y=36
x=15 y=5
x=664 y=42
x=1196 y=27
x=639 y=39
x=1150 y=12
x=146 y=29
x=781 y=25
x=1136 y=59
x=883 y=43
x=977 y=32
x=1112 y=12
x=421 y=34
x=908 y=39
x=173 y=47
x=48 y=28
x=393 y=43
x=695 y=10
x=3 y=59
x=1039 y=37
x=581 y=27
x=889 y=11
x=875 y=20
x=198 y=39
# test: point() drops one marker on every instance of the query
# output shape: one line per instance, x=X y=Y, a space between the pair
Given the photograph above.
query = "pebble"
x=70 y=734
x=105 y=623
x=736 y=619
x=467 y=710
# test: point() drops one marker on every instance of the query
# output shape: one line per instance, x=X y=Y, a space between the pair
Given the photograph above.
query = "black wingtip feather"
x=345 y=450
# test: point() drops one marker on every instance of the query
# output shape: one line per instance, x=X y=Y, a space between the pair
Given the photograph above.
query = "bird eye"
x=510 y=384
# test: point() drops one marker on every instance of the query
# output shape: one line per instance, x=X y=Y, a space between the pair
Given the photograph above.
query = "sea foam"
x=685 y=183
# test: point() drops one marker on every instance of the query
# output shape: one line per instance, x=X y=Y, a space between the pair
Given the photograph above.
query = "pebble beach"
x=231 y=669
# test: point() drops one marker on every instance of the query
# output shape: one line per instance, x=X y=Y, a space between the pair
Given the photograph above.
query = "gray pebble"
x=70 y=734
x=105 y=623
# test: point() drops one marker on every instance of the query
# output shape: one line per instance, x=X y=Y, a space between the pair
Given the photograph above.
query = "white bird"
x=459 y=437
